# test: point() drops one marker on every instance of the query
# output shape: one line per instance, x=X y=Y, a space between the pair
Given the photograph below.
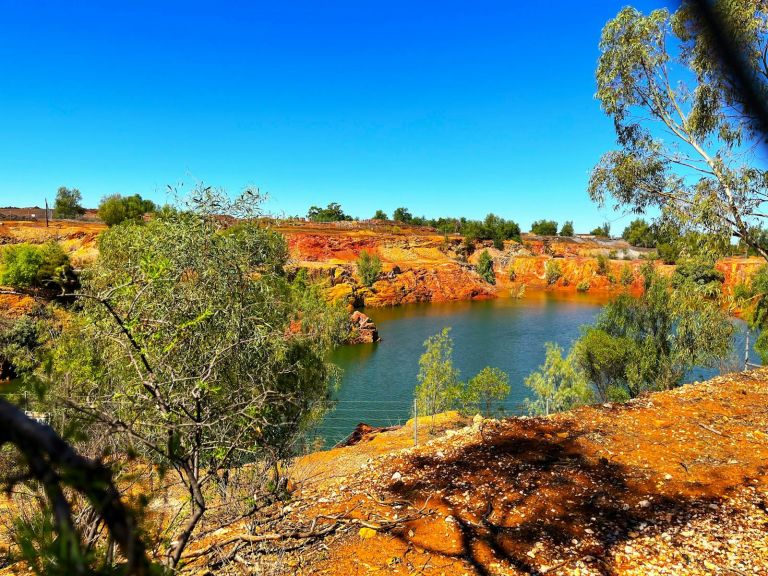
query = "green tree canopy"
x=114 y=209
x=684 y=137
x=567 y=229
x=603 y=231
x=68 y=203
x=544 y=228
x=195 y=350
x=439 y=386
x=639 y=233
x=651 y=342
x=558 y=384
x=331 y=213
x=402 y=215
x=380 y=215
x=486 y=390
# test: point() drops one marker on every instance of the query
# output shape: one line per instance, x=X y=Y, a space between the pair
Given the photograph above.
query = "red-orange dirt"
x=673 y=483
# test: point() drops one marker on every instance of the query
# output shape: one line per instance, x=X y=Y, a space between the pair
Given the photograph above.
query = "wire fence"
x=340 y=419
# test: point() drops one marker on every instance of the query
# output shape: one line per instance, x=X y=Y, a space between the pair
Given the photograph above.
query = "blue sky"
x=448 y=108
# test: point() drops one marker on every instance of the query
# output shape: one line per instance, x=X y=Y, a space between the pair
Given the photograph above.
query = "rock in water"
x=363 y=331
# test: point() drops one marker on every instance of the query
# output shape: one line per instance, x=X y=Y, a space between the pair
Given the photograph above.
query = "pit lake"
x=379 y=379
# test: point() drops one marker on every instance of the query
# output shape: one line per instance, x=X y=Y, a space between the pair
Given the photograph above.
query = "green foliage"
x=195 y=349
x=485 y=267
x=650 y=342
x=552 y=271
x=35 y=266
x=115 y=208
x=21 y=340
x=484 y=391
x=331 y=213
x=668 y=253
x=699 y=276
x=368 y=268
x=675 y=108
x=439 y=387
x=627 y=277
x=68 y=203
x=380 y=215
x=639 y=233
x=544 y=228
x=753 y=298
x=583 y=286
x=402 y=215
x=603 y=231
x=558 y=384
x=602 y=265
x=567 y=229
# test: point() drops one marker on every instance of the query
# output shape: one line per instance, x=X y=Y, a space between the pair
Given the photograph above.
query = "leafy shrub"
x=331 y=213
x=30 y=266
x=544 y=227
x=380 y=215
x=701 y=276
x=567 y=229
x=552 y=271
x=485 y=267
x=489 y=387
x=115 y=208
x=668 y=253
x=583 y=286
x=627 y=277
x=439 y=386
x=368 y=267
x=602 y=265
x=559 y=384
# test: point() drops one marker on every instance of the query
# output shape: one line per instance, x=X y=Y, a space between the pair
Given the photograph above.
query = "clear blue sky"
x=448 y=108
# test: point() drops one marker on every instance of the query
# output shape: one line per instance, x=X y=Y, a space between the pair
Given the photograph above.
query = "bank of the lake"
x=508 y=333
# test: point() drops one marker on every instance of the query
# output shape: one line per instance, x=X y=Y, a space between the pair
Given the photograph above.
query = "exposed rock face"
x=364 y=331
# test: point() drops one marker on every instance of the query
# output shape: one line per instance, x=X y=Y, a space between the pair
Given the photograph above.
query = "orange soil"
x=673 y=483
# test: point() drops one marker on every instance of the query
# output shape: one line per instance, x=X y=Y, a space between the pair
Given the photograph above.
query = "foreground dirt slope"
x=673 y=483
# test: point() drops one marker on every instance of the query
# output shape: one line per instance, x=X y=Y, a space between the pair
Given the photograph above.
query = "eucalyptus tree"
x=439 y=386
x=194 y=349
x=686 y=139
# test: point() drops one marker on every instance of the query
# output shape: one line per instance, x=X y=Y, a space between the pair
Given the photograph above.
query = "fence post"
x=415 y=423
x=746 y=351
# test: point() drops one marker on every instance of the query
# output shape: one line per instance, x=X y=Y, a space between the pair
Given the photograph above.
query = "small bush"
x=612 y=255
x=583 y=286
x=115 y=208
x=485 y=391
x=28 y=266
x=485 y=267
x=369 y=268
x=627 y=277
x=552 y=271
x=602 y=264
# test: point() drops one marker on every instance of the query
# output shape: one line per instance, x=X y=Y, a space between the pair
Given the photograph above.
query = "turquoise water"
x=379 y=379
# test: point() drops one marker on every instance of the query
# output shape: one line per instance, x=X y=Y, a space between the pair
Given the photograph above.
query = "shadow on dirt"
x=528 y=497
